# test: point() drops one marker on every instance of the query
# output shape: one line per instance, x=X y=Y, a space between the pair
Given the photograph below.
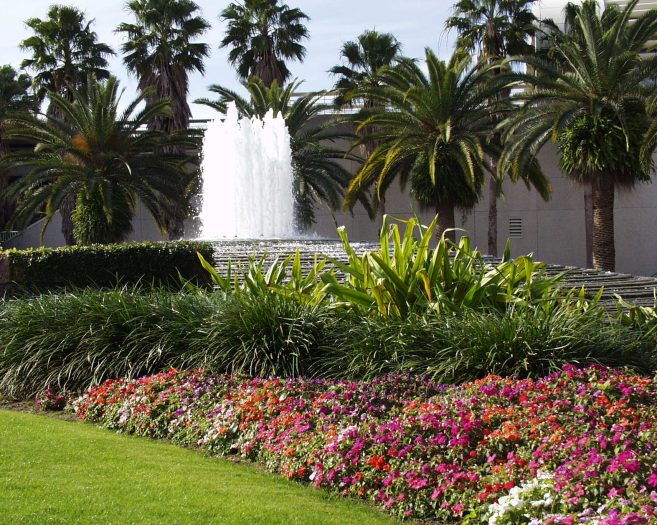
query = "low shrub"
x=73 y=340
x=267 y=335
x=521 y=341
x=466 y=454
x=151 y=263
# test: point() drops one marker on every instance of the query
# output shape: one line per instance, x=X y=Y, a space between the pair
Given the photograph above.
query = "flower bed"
x=575 y=447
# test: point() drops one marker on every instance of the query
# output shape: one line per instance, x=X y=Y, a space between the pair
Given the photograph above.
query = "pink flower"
x=652 y=480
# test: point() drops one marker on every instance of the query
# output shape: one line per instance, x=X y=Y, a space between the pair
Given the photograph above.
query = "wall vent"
x=515 y=227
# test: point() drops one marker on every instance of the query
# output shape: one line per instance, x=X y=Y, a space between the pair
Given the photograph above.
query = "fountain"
x=247 y=179
x=248 y=199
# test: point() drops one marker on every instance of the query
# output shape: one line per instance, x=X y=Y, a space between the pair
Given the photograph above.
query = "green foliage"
x=81 y=338
x=430 y=131
x=522 y=341
x=590 y=96
x=98 y=265
x=362 y=61
x=72 y=340
x=91 y=223
x=267 y=335
x=15 y=96
x=594 y=144
x=636 y=316
x=15 y=92
x=161 y=52
x=442 y=311
x=64 y=52
x=101 y=150
x=281 y=277
x=494 y=29
x=642 y=321
x=76 y=339
x=407 y=274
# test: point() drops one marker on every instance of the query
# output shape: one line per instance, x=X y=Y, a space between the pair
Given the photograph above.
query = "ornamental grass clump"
x=462 y=454
x=521 y=341
x=266 y=335
x=77 y=339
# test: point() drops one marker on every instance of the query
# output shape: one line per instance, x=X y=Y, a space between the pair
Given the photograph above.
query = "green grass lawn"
x=54 y=471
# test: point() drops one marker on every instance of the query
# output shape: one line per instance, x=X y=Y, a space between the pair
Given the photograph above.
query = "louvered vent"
x=515 y=227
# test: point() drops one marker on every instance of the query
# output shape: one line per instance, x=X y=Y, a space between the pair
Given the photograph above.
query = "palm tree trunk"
x=602 y=198
x=588 y=224
x=67 y=205
x=175 y=225
x=445 y=211
x=267 y=68
x=492 y=214
x=5 y=206
x=66 y=212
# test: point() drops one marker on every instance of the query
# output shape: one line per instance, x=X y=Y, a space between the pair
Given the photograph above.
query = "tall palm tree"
x=494 y=30
x=262 y=35
x=362 y=60
x=160 y=51
x=433 y=131
x=319 y=173
x=16 y=96
x=592 y=102
x=102 y=156
x=65 y=51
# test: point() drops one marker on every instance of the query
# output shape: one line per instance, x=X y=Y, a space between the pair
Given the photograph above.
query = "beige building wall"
x=553 y=231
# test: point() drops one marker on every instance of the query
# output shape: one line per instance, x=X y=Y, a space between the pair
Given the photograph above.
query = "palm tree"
x=262 y=35
x=160 y=51
x=318 y=165
x=432 y=130
x=363 y=59
x=65 y=51
x=100 y=155
x=592 y=102
x=494 y=30
x=15 y=96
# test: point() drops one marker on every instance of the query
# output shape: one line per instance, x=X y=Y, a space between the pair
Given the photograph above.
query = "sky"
x=416 y=24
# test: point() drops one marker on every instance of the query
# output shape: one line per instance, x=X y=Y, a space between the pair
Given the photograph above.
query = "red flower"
x=378 y=462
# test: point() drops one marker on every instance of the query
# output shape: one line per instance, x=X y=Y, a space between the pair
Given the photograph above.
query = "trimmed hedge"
x=158 y=263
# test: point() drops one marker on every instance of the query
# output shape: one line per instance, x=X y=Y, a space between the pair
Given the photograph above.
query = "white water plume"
x=247 y=179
